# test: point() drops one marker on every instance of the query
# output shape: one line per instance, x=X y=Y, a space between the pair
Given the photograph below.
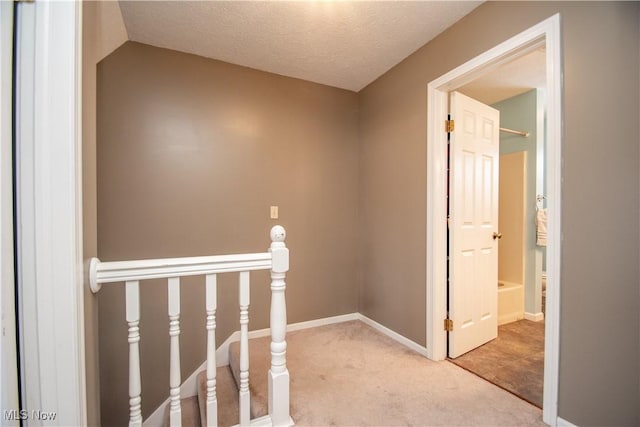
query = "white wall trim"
x=564 y=423
x=534 y=317
x=8 y=348
x=50 y=270
x=393 y=335
x=545 y=33
x=222 y=353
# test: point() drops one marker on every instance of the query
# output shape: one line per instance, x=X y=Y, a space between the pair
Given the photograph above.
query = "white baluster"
x=212 y=402
x=278 y=374
x=133 y=321
x=244 y=349
x=175 y=413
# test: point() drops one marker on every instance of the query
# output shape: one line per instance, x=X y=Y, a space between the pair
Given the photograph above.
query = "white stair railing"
x=132 y=272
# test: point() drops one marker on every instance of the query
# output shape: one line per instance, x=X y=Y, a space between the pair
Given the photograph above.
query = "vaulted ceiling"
x=346 y=44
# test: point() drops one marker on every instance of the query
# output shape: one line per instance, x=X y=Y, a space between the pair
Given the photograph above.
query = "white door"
x=473 y=220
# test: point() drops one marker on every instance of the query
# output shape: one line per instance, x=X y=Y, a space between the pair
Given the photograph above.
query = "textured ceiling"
x=346 y=44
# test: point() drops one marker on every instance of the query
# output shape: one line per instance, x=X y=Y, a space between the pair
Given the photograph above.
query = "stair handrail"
x=132 y=272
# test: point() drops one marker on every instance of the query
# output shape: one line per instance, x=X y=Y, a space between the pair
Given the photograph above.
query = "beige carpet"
x=348 y=374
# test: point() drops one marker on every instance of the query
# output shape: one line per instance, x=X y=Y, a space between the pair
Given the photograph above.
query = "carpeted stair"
x=259 y=364
x=194 y=408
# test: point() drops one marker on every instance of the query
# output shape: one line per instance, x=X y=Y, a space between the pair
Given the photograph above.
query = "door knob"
x=497 y=235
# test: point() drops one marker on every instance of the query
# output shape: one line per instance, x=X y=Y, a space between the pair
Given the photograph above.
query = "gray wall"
x=520 y=113
x=191 y=154
x=599 y=347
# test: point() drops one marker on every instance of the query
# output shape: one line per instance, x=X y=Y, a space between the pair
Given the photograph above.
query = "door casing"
x=545 y=34
x=50 y=268
x=8 y=347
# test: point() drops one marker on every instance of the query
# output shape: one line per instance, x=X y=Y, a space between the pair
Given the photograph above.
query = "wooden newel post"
x=278 y=374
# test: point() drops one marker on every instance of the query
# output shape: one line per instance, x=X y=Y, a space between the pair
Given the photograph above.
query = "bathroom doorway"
x=546 y=34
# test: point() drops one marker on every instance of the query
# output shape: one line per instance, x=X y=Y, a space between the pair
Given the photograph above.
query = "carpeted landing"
x=513 y=361
x=349 y=374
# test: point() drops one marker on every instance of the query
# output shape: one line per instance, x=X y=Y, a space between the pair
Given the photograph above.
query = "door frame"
x=8 y=348
x=547 y=34
x=49 y=209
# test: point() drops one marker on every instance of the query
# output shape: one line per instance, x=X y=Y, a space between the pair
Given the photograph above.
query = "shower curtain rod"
x=516 y=132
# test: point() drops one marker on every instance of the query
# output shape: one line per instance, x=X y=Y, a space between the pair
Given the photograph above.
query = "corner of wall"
x=360 y=211
x=111 y=32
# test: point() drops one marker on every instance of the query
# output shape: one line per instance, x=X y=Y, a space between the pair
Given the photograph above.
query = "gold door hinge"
x=449 y=125
x=448 y=325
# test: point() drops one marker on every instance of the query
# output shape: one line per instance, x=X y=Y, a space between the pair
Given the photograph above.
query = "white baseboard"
x=265 y=421
x=222 y=353
x=535 y=317
x=322 y=322
x=564 y=423
x=393 y=335
x=510 y=317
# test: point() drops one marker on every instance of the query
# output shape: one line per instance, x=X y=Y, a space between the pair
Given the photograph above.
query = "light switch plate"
x=274 y=212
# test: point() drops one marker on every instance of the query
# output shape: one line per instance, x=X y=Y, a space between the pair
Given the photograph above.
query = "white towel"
x=541 y=227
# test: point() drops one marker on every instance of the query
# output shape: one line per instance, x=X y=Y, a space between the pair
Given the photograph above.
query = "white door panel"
x=473 y=210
